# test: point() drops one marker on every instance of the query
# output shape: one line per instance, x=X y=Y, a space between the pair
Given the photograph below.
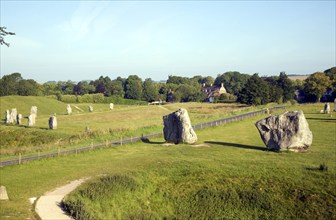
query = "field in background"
x=230 y=176
x=83 y=127
x=301 y=78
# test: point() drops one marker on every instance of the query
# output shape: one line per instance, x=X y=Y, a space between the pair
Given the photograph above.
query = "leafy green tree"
x=66 y=87
x=133 y=87
x=255 y=91
x=28 y=88
x=286 y=85
x=149 y=90
x=177 y=80
x=9 y=84
x=233 y=81
x=315 y=85
x=49 y=89
x=83 y=88
x=117 y=87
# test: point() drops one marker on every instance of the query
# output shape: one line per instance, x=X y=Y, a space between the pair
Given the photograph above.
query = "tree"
x=28 y=88
x=315 y=85
x=149 y=90
x=255 y=91
x=287 y=86
x=4 y=33
x=233 y=81
x=83 y=88
x=118 y=87
x=133 y=87
x=9 y=84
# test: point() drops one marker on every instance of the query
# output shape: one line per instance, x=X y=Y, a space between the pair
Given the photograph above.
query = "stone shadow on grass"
x=323 y=119
x=244 y=146
x=147 y=141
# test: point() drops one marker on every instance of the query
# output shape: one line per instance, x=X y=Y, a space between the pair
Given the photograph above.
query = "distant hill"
x=299 y=77
x=46 y=106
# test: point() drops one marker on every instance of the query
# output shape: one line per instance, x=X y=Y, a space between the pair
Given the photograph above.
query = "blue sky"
x=82 y=40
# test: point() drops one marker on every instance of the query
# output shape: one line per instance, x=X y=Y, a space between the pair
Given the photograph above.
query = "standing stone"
x=31 y=120
x=19 y=119
x=177 y=128
x=335 y=105
x=3 y=193
x=69 y=109
x=53 y=122
x=8 y=117
x=33 y=110
x=13 y=115
x=326 y=108
x=111 y=106
x=288 y=131
x=90 y=108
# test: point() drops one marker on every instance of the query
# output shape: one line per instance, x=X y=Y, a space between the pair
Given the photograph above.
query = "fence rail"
x=132 y=139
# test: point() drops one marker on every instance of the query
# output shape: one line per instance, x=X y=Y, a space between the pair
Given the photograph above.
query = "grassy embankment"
x=232 y=178
x=105 y=125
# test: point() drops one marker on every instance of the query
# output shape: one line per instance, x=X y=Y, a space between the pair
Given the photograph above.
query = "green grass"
x=233 y=178
x=105 y=125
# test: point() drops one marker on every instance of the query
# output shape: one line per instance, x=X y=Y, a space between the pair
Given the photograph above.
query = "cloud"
x=84 y=19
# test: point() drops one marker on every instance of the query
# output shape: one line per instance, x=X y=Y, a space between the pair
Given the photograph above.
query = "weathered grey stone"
x=8 y=117
x=3 y=193
x=31 y=120
x=53 y=122
x=335 y=105
x=69 y=109
x=288 y=131
x=177 y=128
x=19 y=119
x=326 y=108
x=33 y=110
x=13 y=115
x=90 y=108
x=111 y=106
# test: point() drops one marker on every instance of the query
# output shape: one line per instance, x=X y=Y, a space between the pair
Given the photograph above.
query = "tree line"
x=244 y=88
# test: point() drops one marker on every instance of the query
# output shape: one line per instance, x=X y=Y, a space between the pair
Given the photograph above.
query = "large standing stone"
x=90 y=108
x=111 y=106
x=31 y=120
x=19 y=119
x=335 y=105
x=33 y=110
x=53 y=122
x=288 y=131
x=8 y=117
x=3 y=193
x=178 y=129
x=326 y=108
x=13 y=115
x=69 y=109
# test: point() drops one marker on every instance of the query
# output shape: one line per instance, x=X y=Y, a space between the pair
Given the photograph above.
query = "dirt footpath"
x=48 y=206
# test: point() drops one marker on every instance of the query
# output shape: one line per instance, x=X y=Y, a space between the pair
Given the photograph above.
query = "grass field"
x=104 y=124
x=230 y=177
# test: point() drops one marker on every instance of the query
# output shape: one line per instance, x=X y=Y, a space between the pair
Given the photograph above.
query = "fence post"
x=19 y=158
x=121 y=140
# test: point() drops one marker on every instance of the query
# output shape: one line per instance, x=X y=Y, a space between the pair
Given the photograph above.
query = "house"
x=213 y=91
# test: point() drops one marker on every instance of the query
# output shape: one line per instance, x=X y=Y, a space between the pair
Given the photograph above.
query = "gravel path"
x=48 y=205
